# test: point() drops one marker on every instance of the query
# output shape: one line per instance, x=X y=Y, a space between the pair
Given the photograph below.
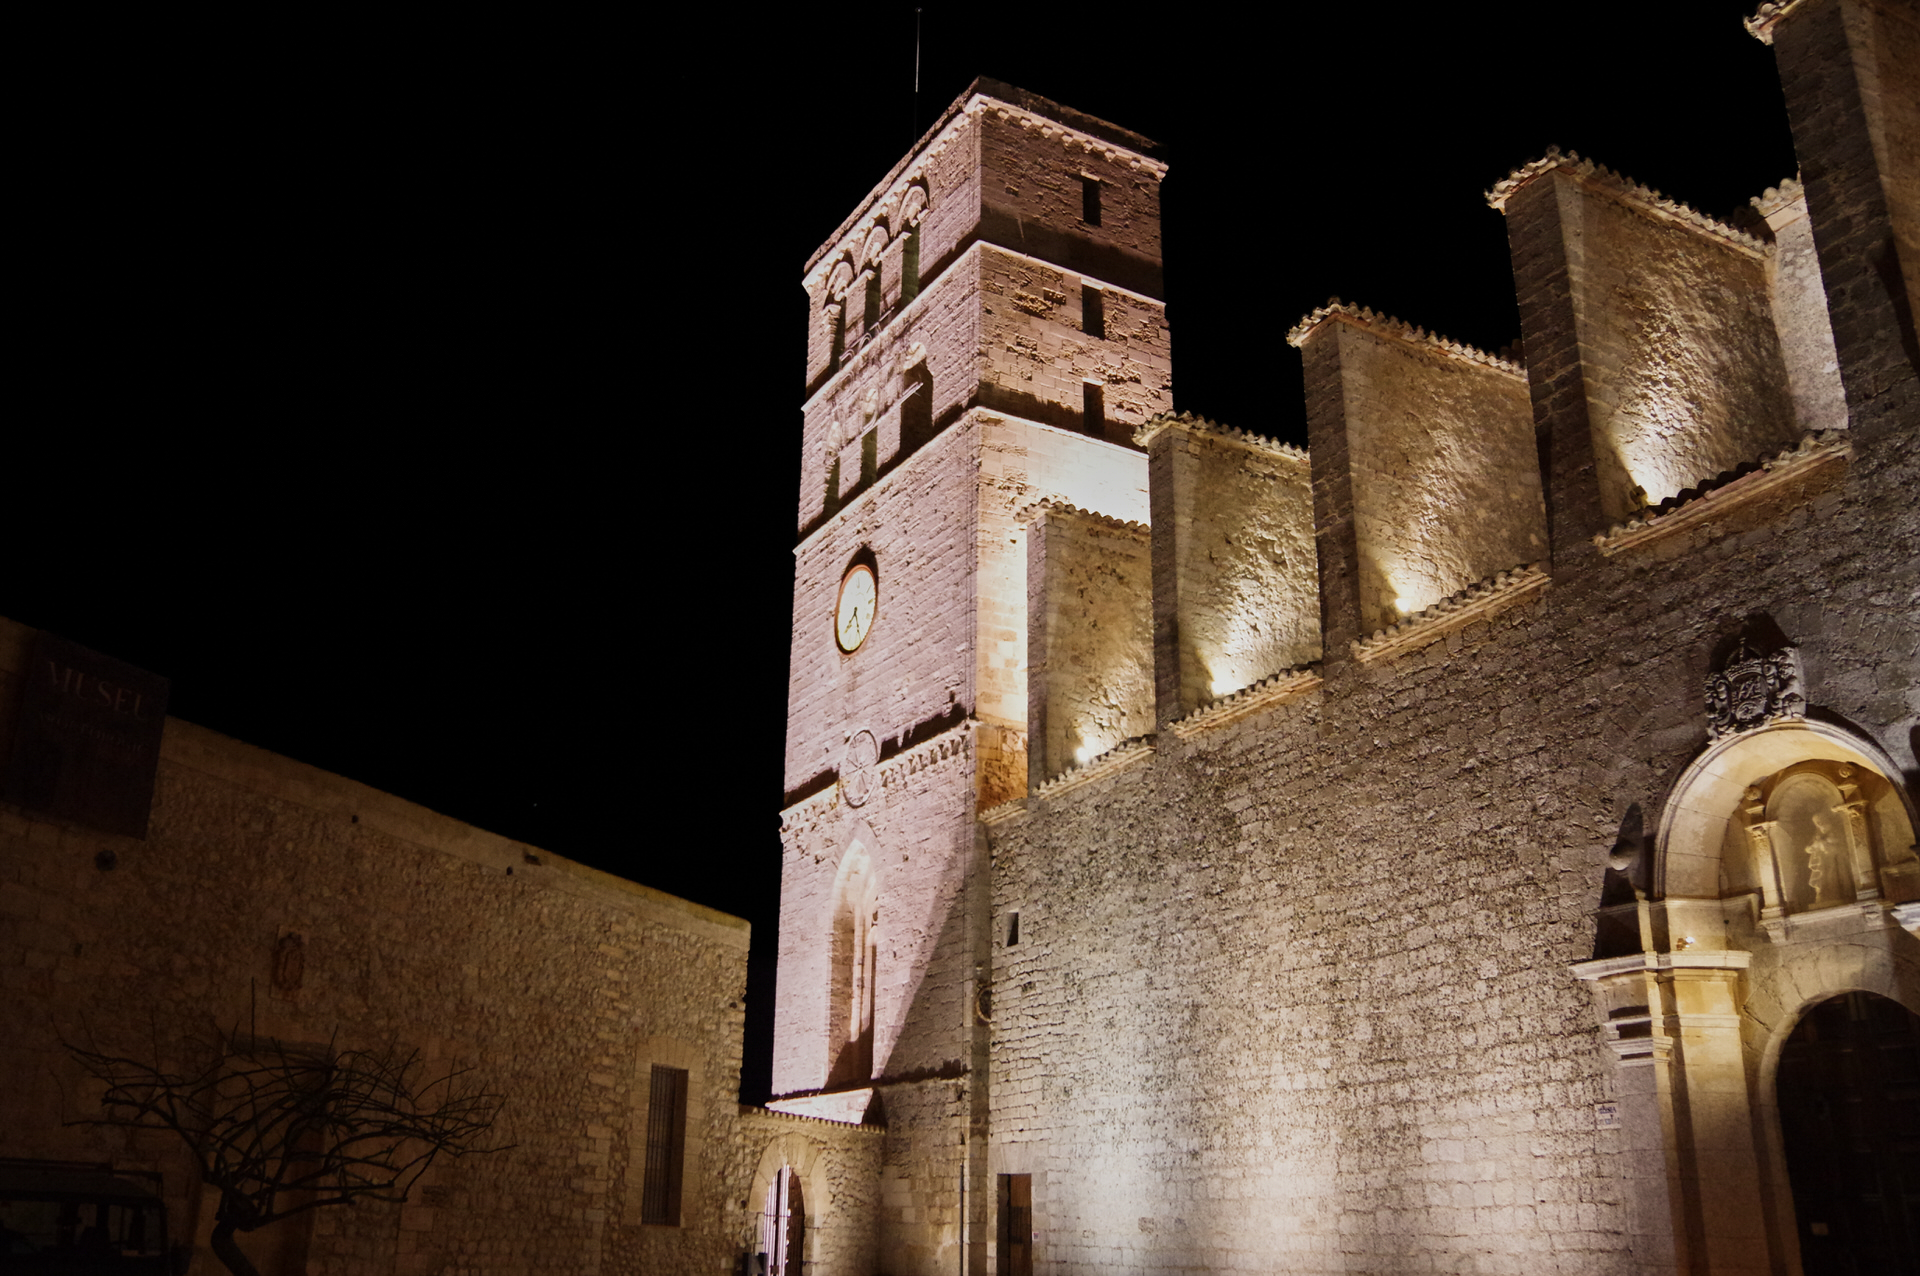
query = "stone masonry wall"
x=1090 y=635
x=555 y=983
x=1037 y=354
x=1236 y=572
x=946 y=213
x=1446 y=478
x=1683 y=368
x=1849 y=97
x=839 y=1169
x=927 y=351
x=1884 y=40
x=1022 y=463
x=917 y=830
x=918 y=523
x=1032 y=186
x=1800 y=312
x=915 y=833
x=1295 y=995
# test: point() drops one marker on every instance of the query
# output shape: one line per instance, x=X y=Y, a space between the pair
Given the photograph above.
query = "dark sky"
x=424 y=403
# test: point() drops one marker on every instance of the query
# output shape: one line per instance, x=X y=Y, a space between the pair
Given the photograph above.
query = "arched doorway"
x=783 y=1225
x=1849 y=1094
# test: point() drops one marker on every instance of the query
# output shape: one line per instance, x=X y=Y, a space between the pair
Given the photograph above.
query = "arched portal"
x=783 y=1224
x=1783 y=869
x=1849 y=1101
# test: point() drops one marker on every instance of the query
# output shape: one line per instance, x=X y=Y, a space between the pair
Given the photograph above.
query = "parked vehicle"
x=82 y=1218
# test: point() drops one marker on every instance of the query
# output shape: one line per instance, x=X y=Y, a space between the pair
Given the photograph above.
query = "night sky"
x=425 y=403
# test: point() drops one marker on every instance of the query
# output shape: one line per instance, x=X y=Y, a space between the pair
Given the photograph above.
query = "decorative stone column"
x=1673 y=1021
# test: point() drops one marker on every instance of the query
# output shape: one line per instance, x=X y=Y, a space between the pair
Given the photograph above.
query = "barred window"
x=666 y=1146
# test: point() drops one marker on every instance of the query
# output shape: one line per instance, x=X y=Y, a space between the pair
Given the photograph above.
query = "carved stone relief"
x=1754 y=688
x=859 y=767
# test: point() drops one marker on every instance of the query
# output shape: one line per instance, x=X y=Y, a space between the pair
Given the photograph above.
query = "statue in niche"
x=1813 y=840
x=1754 y=688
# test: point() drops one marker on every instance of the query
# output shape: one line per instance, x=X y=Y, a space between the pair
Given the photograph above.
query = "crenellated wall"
x=1440 y=458
x=1665 y=317
x=1243 y=898
x=1235 y=590
x=1308 y=981
x=1089 y=635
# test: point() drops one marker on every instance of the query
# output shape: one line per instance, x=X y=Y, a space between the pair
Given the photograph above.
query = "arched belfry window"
x=855 y=958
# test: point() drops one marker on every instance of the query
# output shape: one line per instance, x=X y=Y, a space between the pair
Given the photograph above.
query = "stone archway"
x=791 y=1166
x=1781 y=854
x=1691 y=836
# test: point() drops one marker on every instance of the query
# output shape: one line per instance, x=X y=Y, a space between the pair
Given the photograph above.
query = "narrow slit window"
x=873 y=299
x=869 y=456
x=910 y=267
x=1090 y=200
x=1093 y=311
x=1013 y=929
x=666 y=1146
x=837 y=326
x=1093 y=409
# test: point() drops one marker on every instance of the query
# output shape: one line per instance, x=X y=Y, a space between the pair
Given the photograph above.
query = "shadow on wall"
x=1617 y=920
x=1913 y=747
x=1759 y=631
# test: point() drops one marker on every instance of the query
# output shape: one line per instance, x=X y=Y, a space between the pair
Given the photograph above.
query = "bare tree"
x=279 y=1129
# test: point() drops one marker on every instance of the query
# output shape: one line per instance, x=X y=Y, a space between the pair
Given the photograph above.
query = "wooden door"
x=1015 y=1248
x=1849 y=1088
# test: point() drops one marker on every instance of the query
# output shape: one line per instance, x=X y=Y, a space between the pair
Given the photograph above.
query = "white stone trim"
x=1477 y=601
x=1816 y=450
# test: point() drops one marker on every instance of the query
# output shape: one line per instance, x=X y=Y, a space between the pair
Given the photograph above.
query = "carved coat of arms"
x=1754 y=688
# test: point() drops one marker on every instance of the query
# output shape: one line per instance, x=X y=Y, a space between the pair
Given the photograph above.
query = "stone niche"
x=1817 y=835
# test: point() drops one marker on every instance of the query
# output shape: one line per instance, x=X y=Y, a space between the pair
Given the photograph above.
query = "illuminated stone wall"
x=1090 y=635
x=1021 y=463
x=1306 y=981
x=1800 y=312
x=1236 y=588
x=1036 y=158
x=1297 y=992
x=558 y=985
x=1680 y=361
x=1443 y=468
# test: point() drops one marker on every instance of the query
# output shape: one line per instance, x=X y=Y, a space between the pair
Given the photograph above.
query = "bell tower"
x=985 y=333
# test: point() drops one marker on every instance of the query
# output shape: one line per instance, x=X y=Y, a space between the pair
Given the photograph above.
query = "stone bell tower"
x=985 y=334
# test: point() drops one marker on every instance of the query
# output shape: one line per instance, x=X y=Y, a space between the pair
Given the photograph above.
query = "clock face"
x=853 y=616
